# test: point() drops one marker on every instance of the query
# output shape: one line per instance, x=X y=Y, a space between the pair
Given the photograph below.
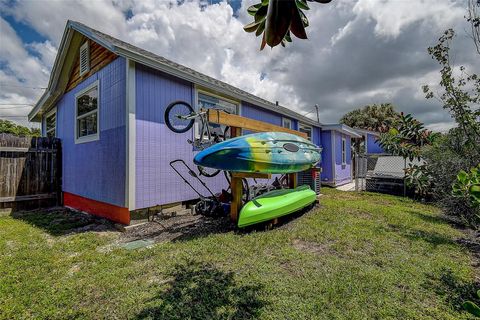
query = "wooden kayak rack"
x=236 y=124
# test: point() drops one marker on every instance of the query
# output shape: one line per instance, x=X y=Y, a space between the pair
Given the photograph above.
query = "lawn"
x=358 y=256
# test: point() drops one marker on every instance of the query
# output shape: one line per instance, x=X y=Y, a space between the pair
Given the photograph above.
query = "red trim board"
x=98 y=208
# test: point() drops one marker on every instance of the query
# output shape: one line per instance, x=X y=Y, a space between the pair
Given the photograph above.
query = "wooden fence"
x=30 y=171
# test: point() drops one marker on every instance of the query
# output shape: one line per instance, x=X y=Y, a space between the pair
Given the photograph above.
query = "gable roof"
x=71 y=42
x=364 y=131
x=341 y=128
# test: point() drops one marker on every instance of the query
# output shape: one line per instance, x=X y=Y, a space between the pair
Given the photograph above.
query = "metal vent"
x=84 y=58
x=311 y=178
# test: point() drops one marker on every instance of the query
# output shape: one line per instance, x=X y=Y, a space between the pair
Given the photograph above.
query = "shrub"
x=445 y=159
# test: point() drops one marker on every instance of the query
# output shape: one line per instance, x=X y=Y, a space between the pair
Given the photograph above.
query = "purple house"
x=106 y=101
x=370 y=141
x=336 y=157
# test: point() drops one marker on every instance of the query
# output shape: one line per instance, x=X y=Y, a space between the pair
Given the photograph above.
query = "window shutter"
x=84 y=58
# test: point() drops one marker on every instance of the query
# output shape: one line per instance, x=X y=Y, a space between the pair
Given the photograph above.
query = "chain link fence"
x=380 y=173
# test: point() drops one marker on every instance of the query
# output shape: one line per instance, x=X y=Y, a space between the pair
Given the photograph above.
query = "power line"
x=17 y=107
x=2 y=116
x=16 y=86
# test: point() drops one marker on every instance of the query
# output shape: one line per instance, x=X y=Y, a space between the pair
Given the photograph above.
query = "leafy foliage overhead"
x=277 y=20
x=376 y=117
x=407 y=138
x=7 y=126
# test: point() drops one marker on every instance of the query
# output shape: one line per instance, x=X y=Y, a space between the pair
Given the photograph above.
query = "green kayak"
x=275 y=204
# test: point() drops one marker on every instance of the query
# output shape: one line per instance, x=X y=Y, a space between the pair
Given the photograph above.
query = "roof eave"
x=191 y=78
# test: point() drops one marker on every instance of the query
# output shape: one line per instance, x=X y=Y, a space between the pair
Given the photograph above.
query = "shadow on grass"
x=62 y=221
x=433 y=238
x=454 y=290
x=429 y=218
x=201 y=291
x=186 y=228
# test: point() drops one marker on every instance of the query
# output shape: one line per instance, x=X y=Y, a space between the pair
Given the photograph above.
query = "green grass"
x=360 y=256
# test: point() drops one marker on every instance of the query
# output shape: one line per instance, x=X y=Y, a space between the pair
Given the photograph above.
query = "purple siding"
x=372 y=144
x=96 y=169
x=327 y=167
x=156 y=145
x=343 y=173
x=253 y=112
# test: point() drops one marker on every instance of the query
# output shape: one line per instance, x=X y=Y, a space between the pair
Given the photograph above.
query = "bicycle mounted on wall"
x=180 y=117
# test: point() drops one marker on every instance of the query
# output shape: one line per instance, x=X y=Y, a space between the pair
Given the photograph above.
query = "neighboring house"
x=337 y=158
x=370 y=140
x=106 y=101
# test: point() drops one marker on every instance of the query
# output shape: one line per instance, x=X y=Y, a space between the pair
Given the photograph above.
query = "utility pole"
x=318 y=116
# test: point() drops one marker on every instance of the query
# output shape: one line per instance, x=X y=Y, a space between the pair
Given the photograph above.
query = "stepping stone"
x=137 y=244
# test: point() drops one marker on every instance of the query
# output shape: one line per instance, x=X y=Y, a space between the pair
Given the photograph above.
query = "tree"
x=7 y=126
x=457 y=152
x=407 y=140
x=376 y=117
x=276 y=20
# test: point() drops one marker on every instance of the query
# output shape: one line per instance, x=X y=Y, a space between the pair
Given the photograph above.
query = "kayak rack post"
x=236 y=186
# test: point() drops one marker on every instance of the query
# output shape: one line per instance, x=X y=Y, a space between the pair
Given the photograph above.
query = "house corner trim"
x=130 y=125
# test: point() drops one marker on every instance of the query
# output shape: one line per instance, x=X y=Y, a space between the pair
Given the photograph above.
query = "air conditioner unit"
x=310 y=177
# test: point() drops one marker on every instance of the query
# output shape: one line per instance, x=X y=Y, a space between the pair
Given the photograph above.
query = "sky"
x=358 y=52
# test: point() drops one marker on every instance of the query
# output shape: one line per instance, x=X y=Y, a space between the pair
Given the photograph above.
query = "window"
x=287 y=123
x=86 y=107
x=344 y=152
x=51 y=123
x=306 y=129
x=209 y=101
x=84 y=64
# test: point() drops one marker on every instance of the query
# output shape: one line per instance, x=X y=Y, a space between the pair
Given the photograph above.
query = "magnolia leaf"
x=462 y=176
x=302 y=4
x=297 y=27
x=304 y=18
x=472 y=308
x=279 y=18
x=251 y=27
x=261 y=28
x=261 y=13
x=264 y=42
x=265 y=2
x=253 y=9
x=288 y=38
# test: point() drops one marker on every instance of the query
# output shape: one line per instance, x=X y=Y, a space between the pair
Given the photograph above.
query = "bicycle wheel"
x=175 y=115
x=208 y=172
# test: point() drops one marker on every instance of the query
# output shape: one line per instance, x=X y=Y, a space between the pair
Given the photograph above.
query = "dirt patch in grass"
x=313 y=247
x=178 y=228
x=63 y=221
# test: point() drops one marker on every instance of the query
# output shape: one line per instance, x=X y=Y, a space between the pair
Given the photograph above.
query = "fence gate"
x=380 y=173
x=30 y=171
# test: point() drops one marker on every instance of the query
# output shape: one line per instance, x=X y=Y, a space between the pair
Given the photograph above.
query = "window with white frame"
x=287 y=123
x=51 y=123
x=344 y=152
x=211 y=101
x=86 y=112
x=306 y=129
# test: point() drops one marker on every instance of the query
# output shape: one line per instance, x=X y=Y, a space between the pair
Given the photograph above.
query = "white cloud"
x=358 y=52
x=392 y=17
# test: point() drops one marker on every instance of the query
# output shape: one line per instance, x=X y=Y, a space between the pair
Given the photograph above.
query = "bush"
x=445 y=159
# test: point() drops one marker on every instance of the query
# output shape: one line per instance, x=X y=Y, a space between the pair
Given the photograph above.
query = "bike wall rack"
x=236 y=124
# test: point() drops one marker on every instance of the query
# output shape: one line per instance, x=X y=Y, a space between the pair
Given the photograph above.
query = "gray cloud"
x=358 y=52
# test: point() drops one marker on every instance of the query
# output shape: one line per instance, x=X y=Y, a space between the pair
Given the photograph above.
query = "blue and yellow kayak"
x=266 y=152
x=275 y=204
